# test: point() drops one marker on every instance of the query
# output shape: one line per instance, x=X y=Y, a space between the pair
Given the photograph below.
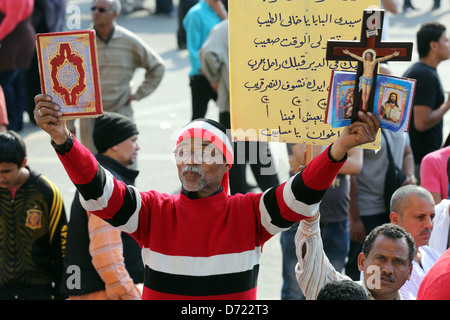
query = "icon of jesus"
x=369 y=61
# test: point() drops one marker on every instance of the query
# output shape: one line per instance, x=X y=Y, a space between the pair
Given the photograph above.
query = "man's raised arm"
x=300 y=196
x=358 y=133
x=48 y=117
x=91 y=180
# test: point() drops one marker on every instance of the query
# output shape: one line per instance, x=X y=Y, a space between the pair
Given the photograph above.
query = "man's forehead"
x=417 y=203
x=194 y=142
x=106 y=3
x=7 y=166
x=390 y=246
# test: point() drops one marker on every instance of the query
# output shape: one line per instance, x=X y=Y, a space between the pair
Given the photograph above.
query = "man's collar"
x=369 y=293
x=193 y=195
x=109 y=37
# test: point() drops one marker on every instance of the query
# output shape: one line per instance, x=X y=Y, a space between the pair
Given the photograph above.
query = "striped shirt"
x=206 y=248
x=118 y=60
x=106 y=250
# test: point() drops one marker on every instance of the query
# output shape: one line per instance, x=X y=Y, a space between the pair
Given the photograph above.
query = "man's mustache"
x=191 y=169
x=387 y=277
x=426 y=231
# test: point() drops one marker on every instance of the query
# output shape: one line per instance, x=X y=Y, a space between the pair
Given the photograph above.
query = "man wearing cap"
x=202 y=243
x=109 y=260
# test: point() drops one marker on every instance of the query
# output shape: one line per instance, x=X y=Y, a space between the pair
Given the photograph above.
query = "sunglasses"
x=100 y=9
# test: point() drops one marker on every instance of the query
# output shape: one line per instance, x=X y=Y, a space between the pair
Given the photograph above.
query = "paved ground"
x=168 y=109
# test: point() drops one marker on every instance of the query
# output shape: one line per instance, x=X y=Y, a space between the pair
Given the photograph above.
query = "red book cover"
x=69 y=73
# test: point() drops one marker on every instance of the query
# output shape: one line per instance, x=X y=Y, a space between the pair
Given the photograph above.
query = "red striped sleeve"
x=285 y=211
x=79 y=163
x=115 y=202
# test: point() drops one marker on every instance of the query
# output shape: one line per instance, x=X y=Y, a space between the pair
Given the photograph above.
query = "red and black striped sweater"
x=206 y=248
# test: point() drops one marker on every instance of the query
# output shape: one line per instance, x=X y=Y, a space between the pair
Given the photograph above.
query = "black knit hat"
x=112 y=128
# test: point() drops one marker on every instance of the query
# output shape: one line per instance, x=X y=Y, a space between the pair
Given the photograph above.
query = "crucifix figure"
x=369 y=61
x=369 y=51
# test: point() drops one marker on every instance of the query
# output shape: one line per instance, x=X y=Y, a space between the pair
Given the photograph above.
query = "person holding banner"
x=201 y=243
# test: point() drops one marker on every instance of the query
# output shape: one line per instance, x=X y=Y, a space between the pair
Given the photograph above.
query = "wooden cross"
x=371 y=32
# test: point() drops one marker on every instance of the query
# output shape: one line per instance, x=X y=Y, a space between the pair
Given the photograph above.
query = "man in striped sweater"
x=202 y=243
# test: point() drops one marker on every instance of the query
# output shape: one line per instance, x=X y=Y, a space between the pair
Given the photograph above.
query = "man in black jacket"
x=108 y=261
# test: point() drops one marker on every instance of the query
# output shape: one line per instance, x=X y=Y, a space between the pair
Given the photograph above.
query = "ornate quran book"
x=69 y=72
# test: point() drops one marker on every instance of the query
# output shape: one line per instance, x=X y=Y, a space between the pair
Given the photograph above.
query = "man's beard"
x=132 y=159
x=193 y=186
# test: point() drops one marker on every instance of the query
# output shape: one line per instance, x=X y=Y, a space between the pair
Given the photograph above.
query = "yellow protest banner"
x=279 y=75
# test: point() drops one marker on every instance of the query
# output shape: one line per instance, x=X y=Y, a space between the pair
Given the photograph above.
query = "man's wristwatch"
x=65 y=147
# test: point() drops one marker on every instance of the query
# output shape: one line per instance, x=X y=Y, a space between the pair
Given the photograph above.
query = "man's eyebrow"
x=185 y=143
x=189 y=144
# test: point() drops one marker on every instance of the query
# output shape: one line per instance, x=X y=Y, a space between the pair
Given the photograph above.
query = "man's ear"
x=434 y=45
x=394 y=217
x=361 y=259
x=227 y=167
x=24 y=162
x=410 y=271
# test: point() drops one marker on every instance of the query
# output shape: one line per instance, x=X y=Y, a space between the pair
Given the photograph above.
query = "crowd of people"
x=338 y=238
